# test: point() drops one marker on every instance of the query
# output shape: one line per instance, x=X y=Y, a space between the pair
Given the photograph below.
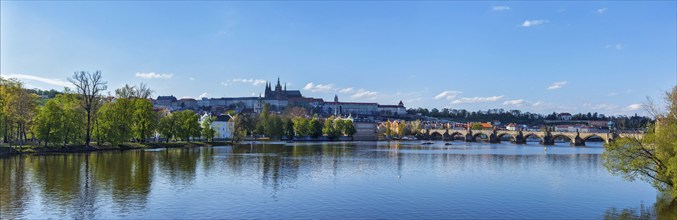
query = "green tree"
x=19 y=107
x=349 y=128
x=315 y=127
x=329 y=128
x=49 y=122
x=301 y=127
x=274 y=126
x=340 y=126
x=288 y=127
x=241 y=125
x=144 y=123
x=112 y=123
x=168 y=126
x=207 y=131
x=476 y=126
x=652 y=158
x=187 y=125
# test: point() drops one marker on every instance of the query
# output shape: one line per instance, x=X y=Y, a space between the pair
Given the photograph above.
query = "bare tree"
x=89 y=86
x=141 y=91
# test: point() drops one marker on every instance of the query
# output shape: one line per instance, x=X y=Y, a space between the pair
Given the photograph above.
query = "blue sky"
x=604 y=57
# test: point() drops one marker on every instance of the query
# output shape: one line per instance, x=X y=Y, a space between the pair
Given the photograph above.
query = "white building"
x=223 y=125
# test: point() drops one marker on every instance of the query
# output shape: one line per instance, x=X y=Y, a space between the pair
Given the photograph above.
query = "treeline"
x=517 y=116
x=294 y=122
x=84 y=116
x=76 y=117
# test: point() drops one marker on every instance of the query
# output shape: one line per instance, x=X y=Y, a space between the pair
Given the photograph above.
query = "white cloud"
x=501 y=8
x=191 y=78
x=347 y=90
x=601 y=106
x=56 y=82
x=226 y=83
x=153 y=75
x=539 y=103
x=515 y=102
x=557 y=85
x=319 y=87
x=477 y=99
x=633 y=107
x=203 y=95
x=254 y=82
x=613 y=94
x=362 y=93
x=614 y=46
x=601 y=10
x=449 y=95
x=531 y=23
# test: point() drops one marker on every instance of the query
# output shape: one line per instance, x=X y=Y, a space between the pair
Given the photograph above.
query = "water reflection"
x=144 y=183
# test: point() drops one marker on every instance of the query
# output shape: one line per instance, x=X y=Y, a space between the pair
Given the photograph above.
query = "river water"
x=327 y=180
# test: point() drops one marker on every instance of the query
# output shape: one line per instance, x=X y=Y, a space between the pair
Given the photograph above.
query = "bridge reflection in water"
x=520 y=137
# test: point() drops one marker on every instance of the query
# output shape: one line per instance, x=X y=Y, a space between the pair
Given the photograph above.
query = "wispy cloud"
x=515 y=102
x=153 y=75
x=601 y=10
x=501 y=8
x=254 y=82
x=557 y=85
x=319 y=87
x=531 y=23
x=602 y=106
x=56 y=82
x=477 y=99
x=449 y=95
x=362 y=93
x=633 y=107
x=347 y=90
x=191 y=78
x=203 y=95
x=614 y=46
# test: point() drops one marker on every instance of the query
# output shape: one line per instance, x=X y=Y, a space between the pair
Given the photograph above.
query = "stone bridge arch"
x=501 y=135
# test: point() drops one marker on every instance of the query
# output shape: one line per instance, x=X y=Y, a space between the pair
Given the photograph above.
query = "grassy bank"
x=34 y=148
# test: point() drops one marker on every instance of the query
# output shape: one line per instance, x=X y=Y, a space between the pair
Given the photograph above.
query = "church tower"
x=278 y=87
x=335 y=98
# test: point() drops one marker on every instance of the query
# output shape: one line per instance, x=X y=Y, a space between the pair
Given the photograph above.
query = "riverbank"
x=37 y=149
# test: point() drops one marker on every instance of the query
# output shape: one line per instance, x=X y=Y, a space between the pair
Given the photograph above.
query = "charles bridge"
x=520 y=136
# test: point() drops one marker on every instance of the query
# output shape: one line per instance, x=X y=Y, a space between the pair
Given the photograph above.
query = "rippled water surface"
x=310 y=180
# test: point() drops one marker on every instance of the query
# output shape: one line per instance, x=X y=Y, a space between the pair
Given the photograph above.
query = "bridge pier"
x=548 y=139
x=493 y=138
x=578 y=141
x=469 y=137
x=519 y=138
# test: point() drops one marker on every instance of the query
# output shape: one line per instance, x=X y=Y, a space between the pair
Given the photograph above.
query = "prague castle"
x=278 y=99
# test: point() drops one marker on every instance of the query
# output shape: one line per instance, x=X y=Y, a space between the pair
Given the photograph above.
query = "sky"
x=605 y=57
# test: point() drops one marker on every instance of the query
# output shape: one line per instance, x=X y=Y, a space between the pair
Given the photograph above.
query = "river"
x=401 y=180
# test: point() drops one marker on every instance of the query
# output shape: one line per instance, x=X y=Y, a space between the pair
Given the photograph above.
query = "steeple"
x=278 y=87
x=285 y=86
x=335 y=98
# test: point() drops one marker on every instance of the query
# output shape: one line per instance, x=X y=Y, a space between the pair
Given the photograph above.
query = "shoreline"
x=33 y=149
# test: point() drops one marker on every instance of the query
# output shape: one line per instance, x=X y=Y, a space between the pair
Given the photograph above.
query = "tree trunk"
x=89 y=117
